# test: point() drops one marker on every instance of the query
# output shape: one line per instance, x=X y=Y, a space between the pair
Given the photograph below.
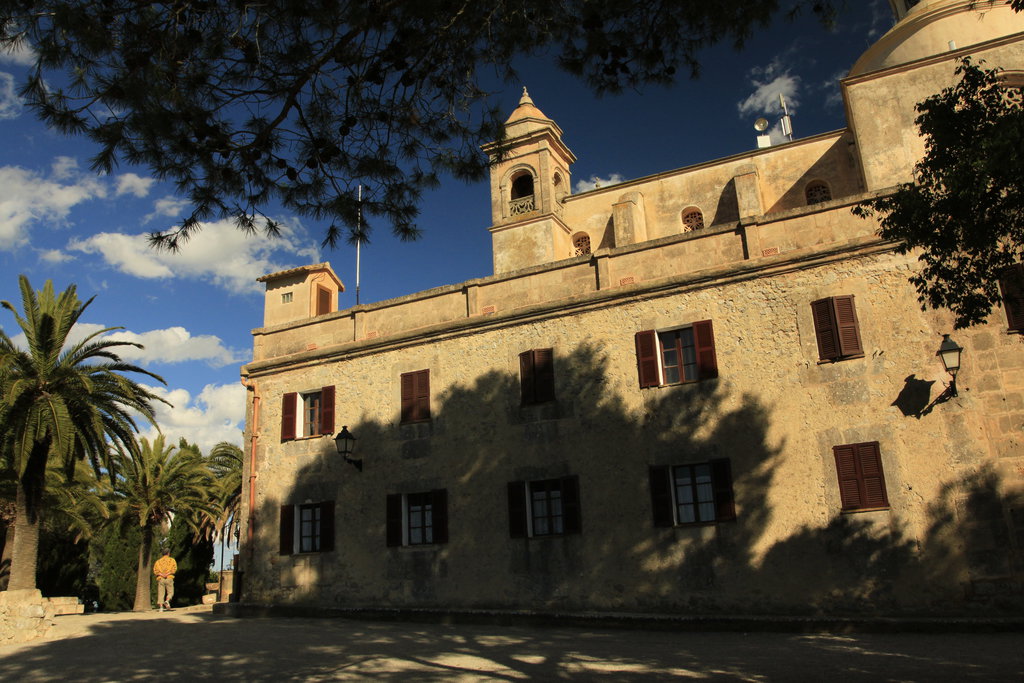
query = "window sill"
x=830 y=361
x=853 y=511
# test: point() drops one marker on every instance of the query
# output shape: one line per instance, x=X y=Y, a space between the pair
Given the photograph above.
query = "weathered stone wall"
x=24 y=616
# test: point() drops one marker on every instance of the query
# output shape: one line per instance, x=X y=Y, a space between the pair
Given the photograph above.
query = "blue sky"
x=194 y=310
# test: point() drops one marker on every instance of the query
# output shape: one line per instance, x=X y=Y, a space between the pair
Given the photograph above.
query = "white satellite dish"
x=761 y=125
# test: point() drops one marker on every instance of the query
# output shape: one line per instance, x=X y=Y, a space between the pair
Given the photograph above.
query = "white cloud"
x=64 y=168
x=770 y=82
x=10 y=103
x=54 y=256
x=219 y=253
x=130 y=183
x=167 y=207
x=595 y=182
x=216 y=414
x=26 y=198
x=21 y=55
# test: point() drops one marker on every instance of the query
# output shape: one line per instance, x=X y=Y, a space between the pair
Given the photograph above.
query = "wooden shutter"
x=408 y=383
x=704 y=341
x=323 y=301
x=861 y=480
x=327 y=526
x=393 y=514
x=526 y=378
x=326 y=410
x=721 y=482
x=847 y=329
x=439 y=501
x=647 y=359
x=571 y=505
x=1012 y=286
x=287 y=533
x=544 y=375
x=517 y=509
x=825 y=329
x=869 y=458
x=661 y=495
x=288 y=407
x=416 y=396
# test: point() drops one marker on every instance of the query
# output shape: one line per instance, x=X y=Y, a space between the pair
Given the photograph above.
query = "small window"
x=693 y=219
x=286 y=298
x=522 y=185
x=700 y=493
x=547 y=507
x=581 y=244
x=836 y=328
x=817 y=191
x=684 y=354
x=307 y=528
x=537 y=376
x=1011 y=284
x=415 y=389
x=315 y=418
x=417 y=518
x=861 y=480
x=324 y=301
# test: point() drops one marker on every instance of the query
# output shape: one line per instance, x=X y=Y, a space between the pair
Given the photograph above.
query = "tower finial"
x=525 y=99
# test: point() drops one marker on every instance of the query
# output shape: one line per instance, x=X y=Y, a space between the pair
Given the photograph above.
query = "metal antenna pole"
x=359 y=239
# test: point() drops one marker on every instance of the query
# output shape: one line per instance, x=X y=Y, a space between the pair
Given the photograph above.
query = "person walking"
x=164 y=568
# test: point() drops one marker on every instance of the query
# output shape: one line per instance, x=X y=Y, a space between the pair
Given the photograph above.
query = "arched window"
x=693 y=219
x=521 y=196
x=581 y=244
x=817 y=191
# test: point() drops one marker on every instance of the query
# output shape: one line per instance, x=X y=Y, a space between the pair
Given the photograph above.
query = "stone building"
x=707 y=389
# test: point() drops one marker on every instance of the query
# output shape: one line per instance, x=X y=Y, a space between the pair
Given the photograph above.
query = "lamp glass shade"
x=345 y=442
x=949 y=351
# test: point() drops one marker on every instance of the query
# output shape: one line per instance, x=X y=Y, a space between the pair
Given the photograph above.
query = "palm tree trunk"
x=28 y=519
x=5 y=558
x=142 y=580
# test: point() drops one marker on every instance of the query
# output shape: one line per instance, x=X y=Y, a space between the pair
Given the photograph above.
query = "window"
x=700 y=493
x=1012 y=286
x=693 y=219
x=537 y=376
x=316 y=418
x=286 y=298
x=836 y=328
x=311 y=531
x=548 y=507
x=581 y=244
x=417 y=518
x=522 y=185
x=686 y=354
x=324 y=301
x=817 y=191
x=861 y=481
x=415 y=387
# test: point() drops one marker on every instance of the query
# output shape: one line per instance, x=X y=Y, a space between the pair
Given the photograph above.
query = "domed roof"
x=526 y=110
x=931 y=25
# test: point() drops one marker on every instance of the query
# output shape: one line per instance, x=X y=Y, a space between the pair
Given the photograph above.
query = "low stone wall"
x=24 y=616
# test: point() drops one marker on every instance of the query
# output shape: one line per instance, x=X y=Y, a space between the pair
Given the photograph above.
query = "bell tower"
x=529 y=179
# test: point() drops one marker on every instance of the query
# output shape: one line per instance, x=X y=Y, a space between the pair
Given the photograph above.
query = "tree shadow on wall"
x=789 y=550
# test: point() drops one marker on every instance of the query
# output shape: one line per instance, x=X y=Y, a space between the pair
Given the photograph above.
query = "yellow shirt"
x=165 y=565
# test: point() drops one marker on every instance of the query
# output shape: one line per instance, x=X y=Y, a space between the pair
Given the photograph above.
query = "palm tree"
x=155 y=484
x=226 y=464
x=59 y=405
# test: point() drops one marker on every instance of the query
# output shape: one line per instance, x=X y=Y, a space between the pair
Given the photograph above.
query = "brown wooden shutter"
x=323 y=301
x=287 y=532
x=327 y=410
x=408 y=383
x=422 y=395
x=847 y=329
x=517 y=509
x=704 y=341
x=647 y=359
x=526 y=378
x=849 y=479
x=439 y=501
x=327 y=526
x=571 y=505
x=661 y=495
x=544 y=375
x=825 y=329
x=1012 y=286
x=394 y=519
x=721 y=482
x=288 y=407
x=869 y=458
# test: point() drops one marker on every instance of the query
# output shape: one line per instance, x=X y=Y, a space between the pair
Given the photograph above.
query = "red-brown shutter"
x=661 y=495
x=825 y=329
x=544 y=375
x=327 y=526
x=288 y=407
x=847 y=329
x=869 y=457
x=517 y=509
x=721 y=482
x=571 y=523
x=526 y=378
x=408 y=383
x=287 y=532
x=394 y=519
x=327 y=410
x=704 y=343
x=439 y=501
x=422 y=395
x=849 y=479
x=323 y=301
x=647 y=359
x=1012 y=286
